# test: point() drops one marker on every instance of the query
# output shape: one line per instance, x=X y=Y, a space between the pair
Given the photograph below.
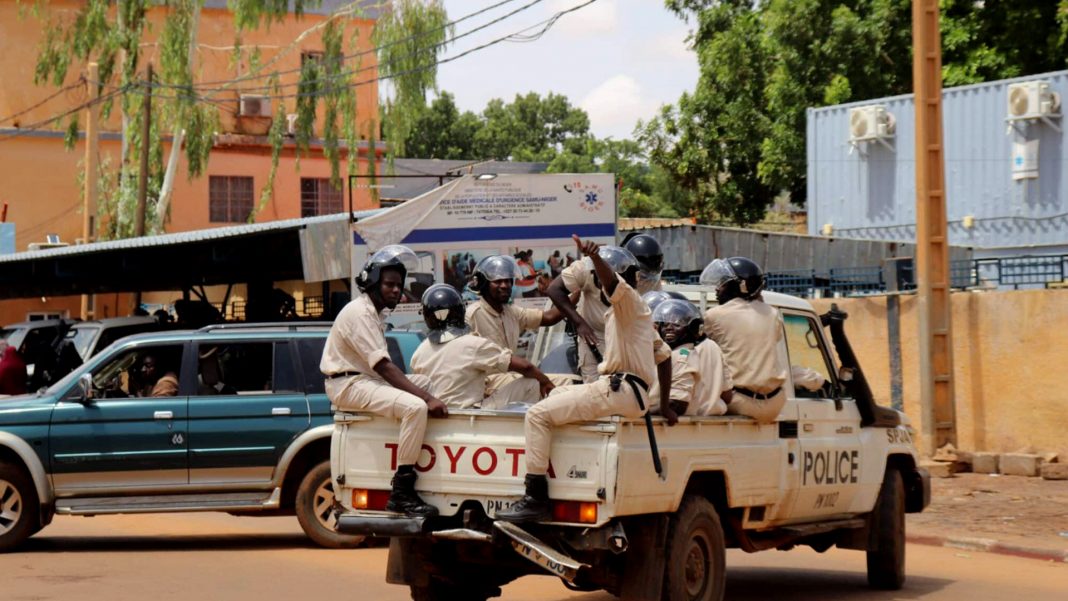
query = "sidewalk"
x=1012 y=515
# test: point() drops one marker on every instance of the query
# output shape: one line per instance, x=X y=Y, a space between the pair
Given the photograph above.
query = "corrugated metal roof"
x=182 y=237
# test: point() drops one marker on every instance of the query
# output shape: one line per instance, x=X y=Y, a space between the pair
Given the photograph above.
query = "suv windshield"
x=82 y=337
x=13 y=336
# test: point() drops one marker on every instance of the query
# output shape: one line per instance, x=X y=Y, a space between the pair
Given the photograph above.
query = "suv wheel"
x=886 y=559
x=315 y=510
x=18 y=507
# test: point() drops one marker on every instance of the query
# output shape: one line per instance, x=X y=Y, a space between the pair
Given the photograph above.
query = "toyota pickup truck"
x=835 y=469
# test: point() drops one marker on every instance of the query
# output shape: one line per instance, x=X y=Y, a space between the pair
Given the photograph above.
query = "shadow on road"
x=138 y=544
x=744 y=584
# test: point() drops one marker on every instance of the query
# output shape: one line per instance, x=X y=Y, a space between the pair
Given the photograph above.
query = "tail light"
x=575 y=512
x=369 y=499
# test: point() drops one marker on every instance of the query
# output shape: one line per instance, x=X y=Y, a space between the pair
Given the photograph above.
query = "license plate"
x=494 y=505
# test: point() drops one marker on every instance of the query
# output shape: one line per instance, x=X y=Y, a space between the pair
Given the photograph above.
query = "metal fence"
x=1040 y=271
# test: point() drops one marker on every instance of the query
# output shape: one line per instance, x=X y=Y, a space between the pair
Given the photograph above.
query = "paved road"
x=206 y=557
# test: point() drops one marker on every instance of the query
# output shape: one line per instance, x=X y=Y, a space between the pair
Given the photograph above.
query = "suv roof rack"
x=290 y=325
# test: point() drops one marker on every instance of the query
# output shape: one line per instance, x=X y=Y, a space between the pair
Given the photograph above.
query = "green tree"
x=441 y=131
x=530 y=128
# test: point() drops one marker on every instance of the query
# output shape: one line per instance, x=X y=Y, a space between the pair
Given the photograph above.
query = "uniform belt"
x=760 y=396
x=343 y=374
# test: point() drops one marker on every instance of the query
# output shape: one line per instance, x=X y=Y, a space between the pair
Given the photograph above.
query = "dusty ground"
x=1029 y=512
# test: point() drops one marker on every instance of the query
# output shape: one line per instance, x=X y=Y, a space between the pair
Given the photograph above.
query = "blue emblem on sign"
x=591 y=198
x=1019 y=160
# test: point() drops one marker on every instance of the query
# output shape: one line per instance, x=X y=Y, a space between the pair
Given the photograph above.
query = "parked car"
x=37 y=342
x=248 y=432
x=91 y=337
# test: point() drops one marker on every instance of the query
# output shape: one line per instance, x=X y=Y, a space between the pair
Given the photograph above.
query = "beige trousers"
x=587 y=362
x=763 y=410
x=570 y=404
x=374 y=395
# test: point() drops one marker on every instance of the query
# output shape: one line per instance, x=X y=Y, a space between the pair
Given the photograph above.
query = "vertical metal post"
x=142 y=183
x=892 y=273
x=92 y=158
x=932 y=244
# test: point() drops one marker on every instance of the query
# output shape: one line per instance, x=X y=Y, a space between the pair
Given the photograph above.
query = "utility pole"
x=92 y=158
x=932 y=242
x=142 y=179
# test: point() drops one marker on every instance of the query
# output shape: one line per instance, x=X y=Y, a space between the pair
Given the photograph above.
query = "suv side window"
x=285 y=373
x=139 y=372
x=809 y=368
x=311 y=353
x=235 y=368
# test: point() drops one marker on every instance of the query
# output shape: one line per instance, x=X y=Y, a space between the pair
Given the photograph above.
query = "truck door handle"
x=163 y=415
x=281 y=411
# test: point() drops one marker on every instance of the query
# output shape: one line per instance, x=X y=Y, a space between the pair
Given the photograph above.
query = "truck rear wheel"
x=886 y=559
x=695 y=567
x=315 y=510
x=18 y=507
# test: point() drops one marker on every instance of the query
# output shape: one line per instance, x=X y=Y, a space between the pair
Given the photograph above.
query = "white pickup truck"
x=835 y=469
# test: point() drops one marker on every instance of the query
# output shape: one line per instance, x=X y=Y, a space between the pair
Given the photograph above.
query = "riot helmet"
x=654 y=298
x=495 y=268
x=620 y=260
x=649 y=255
x=394 y=256
x=443 y=312
x=677 y=321
x=736 y=277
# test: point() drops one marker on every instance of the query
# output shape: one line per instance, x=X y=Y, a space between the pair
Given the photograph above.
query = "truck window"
x=235 y=368
x=808 y=360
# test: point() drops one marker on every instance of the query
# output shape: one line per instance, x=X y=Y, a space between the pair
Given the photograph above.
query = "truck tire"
x=886 y=559
x=439 y=590
x=18 y=507
x=315 y=510
x=695 y=566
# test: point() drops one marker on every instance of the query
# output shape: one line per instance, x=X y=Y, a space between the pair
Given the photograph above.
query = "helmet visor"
x=654 y=298
x=618 y=258
x=677 y=312
x=498 y=267
x=396 y=254
x=717 y=273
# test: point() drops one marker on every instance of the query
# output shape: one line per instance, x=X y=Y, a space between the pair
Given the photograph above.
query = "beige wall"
x=1010 y=354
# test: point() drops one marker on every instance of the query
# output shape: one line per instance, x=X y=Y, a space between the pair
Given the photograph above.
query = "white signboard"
x=530 y=217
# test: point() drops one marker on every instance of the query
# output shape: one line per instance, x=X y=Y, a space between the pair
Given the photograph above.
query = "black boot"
x=534 y=506
x=403 y=498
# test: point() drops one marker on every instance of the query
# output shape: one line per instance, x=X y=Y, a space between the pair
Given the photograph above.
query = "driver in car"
x=157 y=378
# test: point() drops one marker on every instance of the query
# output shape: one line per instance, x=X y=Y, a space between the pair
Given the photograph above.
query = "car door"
x=122 y=437
x=246 y=411
x=828 y=429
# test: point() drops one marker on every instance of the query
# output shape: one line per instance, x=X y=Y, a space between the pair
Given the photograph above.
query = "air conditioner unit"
x=291 y=124
x=871 y=122
x=1032 y=99
x=255 y=106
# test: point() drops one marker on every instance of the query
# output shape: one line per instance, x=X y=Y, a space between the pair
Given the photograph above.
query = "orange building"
x=41 y=186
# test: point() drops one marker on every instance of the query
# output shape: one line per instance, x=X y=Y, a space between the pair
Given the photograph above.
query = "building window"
x=318 y=197
x=229 y=198
x=308 y=56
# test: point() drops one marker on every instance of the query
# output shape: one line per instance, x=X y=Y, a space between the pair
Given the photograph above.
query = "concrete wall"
x=1010 y=356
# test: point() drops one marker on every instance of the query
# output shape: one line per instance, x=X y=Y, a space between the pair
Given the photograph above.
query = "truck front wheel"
x=315 y=510
x=695 y=569
x=886 y=559
x=18 y=507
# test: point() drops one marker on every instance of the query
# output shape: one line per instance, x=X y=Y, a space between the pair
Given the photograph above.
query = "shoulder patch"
x=684 y=352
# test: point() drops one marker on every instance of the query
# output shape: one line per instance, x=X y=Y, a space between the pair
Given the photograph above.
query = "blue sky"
x=618 y=59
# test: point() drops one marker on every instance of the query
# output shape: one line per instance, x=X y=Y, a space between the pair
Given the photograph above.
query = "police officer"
x=749 y=331
x=700 y=379
x=457 y=363
x=495 y=317
x=361 y=377
x=632 y=360
x=650 y=258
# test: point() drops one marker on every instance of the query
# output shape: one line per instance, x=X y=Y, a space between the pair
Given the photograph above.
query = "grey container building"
x=867 y=190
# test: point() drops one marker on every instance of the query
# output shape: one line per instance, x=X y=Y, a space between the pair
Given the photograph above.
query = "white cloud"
x=616 y=105
x=669 y=46
x=599 y=17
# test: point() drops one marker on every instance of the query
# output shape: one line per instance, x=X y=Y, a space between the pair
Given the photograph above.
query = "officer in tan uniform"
x=632 y=360
x=457 y=363
x=361 y=377
x=700 y=379
x=750 y=332
x=588 y=314
x=495 y=318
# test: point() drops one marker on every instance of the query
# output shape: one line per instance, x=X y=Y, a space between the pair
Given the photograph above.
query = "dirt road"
x=207 y=557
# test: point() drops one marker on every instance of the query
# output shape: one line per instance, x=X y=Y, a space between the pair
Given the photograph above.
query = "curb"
x=989 y=545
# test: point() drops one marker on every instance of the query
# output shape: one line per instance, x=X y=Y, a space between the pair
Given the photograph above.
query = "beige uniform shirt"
x=357 y=340
x=458 y=368
x=749 y=333
x=577 y=277
x=631 y=343
x=502 y=328
x=713 y=378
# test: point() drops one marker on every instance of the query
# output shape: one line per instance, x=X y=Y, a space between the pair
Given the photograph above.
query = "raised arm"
x=605 y=275
x=562 y=302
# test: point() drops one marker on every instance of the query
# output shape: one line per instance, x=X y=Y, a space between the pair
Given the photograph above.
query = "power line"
x=14 y=116
x=45 y=122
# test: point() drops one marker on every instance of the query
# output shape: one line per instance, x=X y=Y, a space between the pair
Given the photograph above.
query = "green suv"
x=242 y=427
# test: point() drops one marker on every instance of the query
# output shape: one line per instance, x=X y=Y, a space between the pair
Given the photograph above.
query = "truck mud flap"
x=530 y=547
x=376 y=524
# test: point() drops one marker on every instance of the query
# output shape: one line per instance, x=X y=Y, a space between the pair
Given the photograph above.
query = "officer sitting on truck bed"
x=457 y=363
x=361 y=377
x=700 y=378
x=631 y=352
x=749 y=331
